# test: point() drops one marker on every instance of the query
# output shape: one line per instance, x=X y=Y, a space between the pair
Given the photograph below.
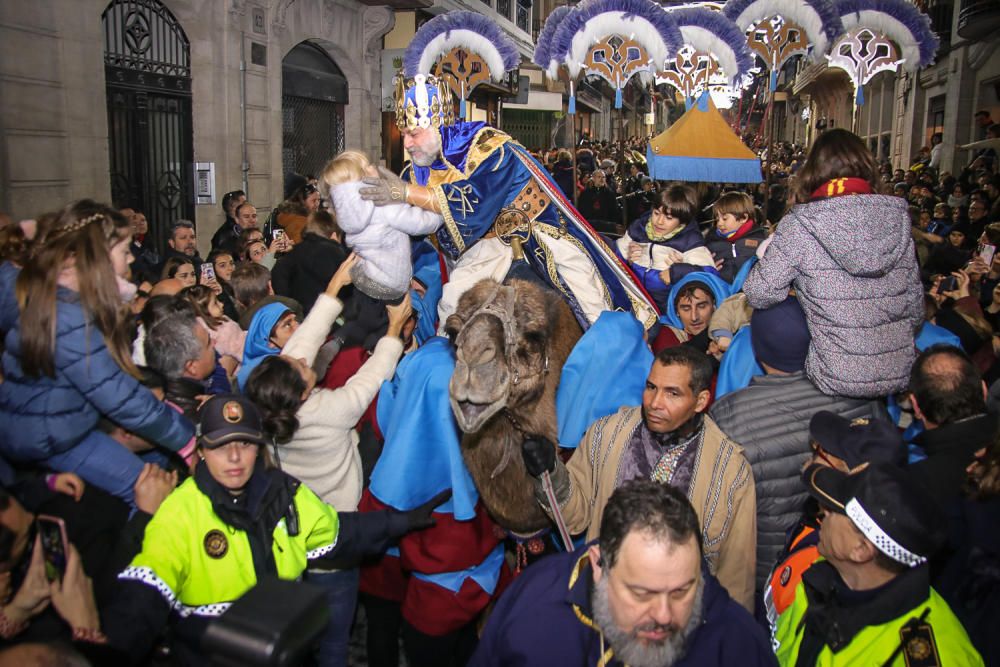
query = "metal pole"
x=770 y=142
x=245 y=161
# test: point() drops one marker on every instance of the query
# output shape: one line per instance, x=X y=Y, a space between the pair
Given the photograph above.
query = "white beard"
x=631 y=650
x=425 y=155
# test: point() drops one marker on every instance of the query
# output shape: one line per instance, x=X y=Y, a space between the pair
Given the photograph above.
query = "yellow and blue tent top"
x=701 y=146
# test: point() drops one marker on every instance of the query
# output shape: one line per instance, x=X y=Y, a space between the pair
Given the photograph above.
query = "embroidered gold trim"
x=449 y=221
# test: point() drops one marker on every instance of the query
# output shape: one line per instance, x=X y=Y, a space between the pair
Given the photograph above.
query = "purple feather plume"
x=825 y=9
x=918 y=23
x=460 y=20
x=577 y=19
x=546 y=35
x=725 y=31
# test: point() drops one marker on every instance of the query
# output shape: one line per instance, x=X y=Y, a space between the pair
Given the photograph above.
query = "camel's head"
x=501 y=336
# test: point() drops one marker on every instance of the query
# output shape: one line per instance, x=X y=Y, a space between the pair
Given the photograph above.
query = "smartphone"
x=207 y=272
x=55 y=545
x=279 y=234
x=947 y=284
x=987 y=251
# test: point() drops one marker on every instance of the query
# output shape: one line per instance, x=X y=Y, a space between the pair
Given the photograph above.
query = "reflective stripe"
x=882 y=540
x=322 y=551
x=204 y=610
x=149 y=577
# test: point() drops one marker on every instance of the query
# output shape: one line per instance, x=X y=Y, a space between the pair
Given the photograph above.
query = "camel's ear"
x=596 y=562
x=452 y=326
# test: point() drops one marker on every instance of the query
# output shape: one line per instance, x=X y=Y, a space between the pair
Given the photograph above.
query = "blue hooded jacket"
x=258 y=341
x=44 y=416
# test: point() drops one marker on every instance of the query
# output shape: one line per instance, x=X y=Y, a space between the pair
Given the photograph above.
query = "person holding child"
x=664 y=245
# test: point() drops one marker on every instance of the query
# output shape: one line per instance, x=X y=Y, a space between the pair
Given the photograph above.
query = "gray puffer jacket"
x=852 y=263
x=770 y=419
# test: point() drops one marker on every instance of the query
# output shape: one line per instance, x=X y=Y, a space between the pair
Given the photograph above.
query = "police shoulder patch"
x=216 y=544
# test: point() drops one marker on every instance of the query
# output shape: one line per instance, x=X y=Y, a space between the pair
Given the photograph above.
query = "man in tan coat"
x=668 y=439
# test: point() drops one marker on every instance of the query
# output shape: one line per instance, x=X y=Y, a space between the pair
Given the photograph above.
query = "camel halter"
x=506 y=317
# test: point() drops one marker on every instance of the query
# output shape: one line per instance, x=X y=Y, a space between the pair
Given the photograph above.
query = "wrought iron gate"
x=148 y=69
x=313 y=95
x=312 y=133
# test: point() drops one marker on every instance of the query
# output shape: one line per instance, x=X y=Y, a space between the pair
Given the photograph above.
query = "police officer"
x=235 y=520
x=870 y=601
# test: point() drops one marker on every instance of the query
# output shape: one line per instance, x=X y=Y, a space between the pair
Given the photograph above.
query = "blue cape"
x=739 y=365
x=421 y=455
x=594 y=383
x=257 y=345
x=426 y=269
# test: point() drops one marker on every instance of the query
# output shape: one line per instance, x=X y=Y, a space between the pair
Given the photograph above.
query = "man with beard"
x=640 y=596
x=502 y=215
x=668 y=439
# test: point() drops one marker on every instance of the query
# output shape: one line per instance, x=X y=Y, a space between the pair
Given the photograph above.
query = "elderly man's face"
x=184 y=241
x=668 y=401
x=839 y=538
x=649 y=602
x=423 y=144
x=695 y=311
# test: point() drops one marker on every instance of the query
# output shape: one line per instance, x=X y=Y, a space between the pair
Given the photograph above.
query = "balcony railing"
x=978 y=18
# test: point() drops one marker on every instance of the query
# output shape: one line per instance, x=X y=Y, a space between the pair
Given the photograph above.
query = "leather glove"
x=385 y=190
x=539 y=455
x=420 y=516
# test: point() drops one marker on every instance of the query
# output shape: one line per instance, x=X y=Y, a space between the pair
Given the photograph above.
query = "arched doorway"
x=147 y=63
x=313 y=96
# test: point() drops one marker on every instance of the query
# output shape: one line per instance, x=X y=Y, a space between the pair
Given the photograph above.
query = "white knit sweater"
x=324 y=451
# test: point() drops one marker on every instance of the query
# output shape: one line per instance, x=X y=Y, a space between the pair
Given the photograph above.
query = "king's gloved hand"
x=539 y=455
x=387 y=189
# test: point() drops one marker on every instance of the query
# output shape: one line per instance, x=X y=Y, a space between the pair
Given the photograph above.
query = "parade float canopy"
x=701 y=146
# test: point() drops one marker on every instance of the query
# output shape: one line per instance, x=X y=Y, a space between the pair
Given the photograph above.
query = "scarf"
x=737 y=233
x=842 y=186
x=268 y=497
x=660 y=238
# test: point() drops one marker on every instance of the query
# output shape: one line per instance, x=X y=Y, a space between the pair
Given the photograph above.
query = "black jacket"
x=303 y=273
x=950 y=449
x=227 y=237
x=598 y=205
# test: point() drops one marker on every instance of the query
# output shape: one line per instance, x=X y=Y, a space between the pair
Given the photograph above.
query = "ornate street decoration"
x=464 y=47
x=775 y=40
x=863 y=54
x=690 y=72
x=616 y=59
x=613 y=39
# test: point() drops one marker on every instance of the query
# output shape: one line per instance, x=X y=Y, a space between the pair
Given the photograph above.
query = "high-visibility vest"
x=200 y=565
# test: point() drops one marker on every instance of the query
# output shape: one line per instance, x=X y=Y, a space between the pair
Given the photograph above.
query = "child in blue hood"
x=664 y=245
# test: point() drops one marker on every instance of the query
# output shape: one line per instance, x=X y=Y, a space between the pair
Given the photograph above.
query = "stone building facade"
x=120 y=99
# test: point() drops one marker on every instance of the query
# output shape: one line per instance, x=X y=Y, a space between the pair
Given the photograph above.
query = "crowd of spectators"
x=818 y=428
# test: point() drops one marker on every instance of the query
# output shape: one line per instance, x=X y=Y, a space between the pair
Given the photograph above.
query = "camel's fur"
x=544 y=327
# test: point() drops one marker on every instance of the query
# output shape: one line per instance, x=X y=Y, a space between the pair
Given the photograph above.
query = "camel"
x=511 y=342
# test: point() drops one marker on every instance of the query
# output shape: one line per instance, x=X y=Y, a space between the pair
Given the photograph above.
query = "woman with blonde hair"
x=68 y=360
